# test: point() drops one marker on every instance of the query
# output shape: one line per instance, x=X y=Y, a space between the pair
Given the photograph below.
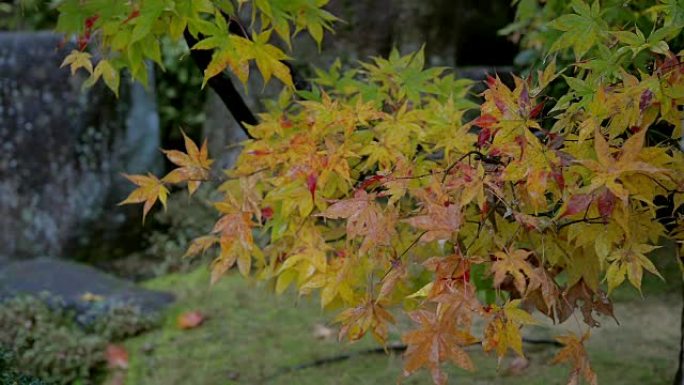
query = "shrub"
x=53 y=343
x=9 y=375
x=116 y=321
x=47 y=343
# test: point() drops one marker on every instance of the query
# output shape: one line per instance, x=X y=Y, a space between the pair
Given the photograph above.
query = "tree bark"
x=223 y=86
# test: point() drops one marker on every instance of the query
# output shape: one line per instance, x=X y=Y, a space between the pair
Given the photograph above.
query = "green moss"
x=251 y=335
x=56 y=345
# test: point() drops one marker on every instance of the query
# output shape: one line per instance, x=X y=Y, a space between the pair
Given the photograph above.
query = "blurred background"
x=112 y=301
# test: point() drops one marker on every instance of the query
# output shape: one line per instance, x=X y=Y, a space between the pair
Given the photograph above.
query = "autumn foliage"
x=386 y=187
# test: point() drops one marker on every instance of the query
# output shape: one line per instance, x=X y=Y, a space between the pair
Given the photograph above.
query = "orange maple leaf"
x=194 y=165
x=364 y=218
x=574 y=352
x=150 y=189
x=236 y=241
x=369 y=315
x=117 y=356
x=440 y=221
x=200 y=244
x=190 y=320
x=436 y=341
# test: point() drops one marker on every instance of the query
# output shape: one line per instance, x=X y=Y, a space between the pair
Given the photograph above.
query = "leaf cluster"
x=376 y=191
x=129 y=34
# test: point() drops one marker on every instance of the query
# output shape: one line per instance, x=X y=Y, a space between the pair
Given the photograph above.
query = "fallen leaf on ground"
x=322 y=332
x=190 y=320
x=117 y=357
x=518 y=366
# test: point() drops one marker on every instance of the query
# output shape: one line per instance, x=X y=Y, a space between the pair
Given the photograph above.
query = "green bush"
x=116 y=322
x=8 y=373
x=47 y=342
x=58 y=346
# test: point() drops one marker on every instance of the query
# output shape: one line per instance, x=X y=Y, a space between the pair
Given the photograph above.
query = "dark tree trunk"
x=223 y=86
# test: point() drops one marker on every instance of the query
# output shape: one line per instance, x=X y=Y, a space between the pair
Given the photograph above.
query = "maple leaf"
x=441 y=219
x=449 y=271
x=630 y=261
x=439 y=222
x=435 y=341
x=269 y=58
x=307 y=256
x=514 y=264
x=235 y=239
x=77 y=59
x=364 y=218
x=503 y=330
x=608 y=170
x=536 y=188
x=117 y=356
x=105 y=70
x=530 y=222
x=368 y=315
x=581 y=30
x=573 y=352
x=335 y=281
x=590 y=302
x=223 y=57
x=194 y=165
x=190 y=320
x=398 y=271
x=606 y=203
x=543 y=292
x=200 y=245
x=150 y=189
x=577 y=203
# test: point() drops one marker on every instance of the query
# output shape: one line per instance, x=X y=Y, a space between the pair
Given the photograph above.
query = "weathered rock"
x=76 y=284
x=62 y=147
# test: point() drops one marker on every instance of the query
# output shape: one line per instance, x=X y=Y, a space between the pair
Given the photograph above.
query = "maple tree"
x=374 y=190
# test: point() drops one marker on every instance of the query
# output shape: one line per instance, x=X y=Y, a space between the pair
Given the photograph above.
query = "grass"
x=251 y=336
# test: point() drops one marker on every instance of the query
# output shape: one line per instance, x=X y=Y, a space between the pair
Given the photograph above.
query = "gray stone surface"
x=62 y=148
x=70 y=281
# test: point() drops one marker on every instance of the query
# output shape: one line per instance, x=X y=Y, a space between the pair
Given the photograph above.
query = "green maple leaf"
x=269 y=58
x=582 y=30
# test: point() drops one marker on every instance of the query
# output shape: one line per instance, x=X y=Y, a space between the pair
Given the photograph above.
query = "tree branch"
x=223 y=86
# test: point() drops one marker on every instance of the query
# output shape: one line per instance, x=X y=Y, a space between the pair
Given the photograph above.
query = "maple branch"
x=415 y=241
x=591 y=221
x=659 y=183
x=223 y=86
x=226 y=178
x=481 y=156
x=480 y=226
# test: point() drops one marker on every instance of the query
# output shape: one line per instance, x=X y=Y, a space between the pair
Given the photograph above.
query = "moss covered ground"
x=252 y=336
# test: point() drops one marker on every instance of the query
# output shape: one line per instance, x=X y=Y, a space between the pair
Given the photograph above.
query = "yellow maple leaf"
x=369 y=315
x=515 y=264
x=77 y=59
x=608 y=169
x=630 y=261
x=150 y=189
